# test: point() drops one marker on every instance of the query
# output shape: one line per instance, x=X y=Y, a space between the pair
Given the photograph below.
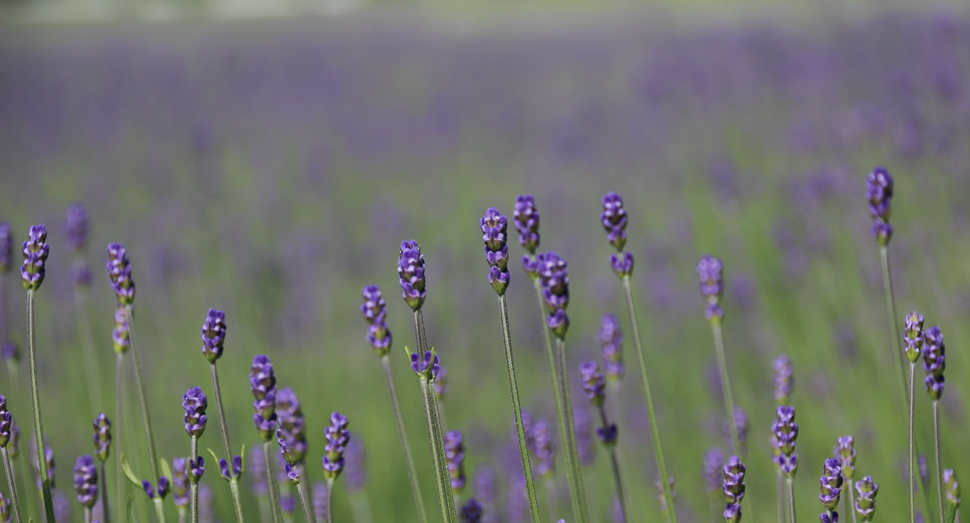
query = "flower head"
x=593 y=382
x=710 y=270
x=733 y=489
x=262 y=383
x=846 y=450
x=865 y=505
x=10 y=351
x=102 y=437
x=425 y=365
x=441 y=383
x=614 y=220
x=6 y=422
x=934 y=362
x=831 y=483
x=121 y=334
x=526 y=219
x=6 y=247
x=784 y=378
x=611 y=341
x=554 y=275
x=180 y=481
x=320 y=501
x=784 y=433
x=455 y=456
x=291 y=434
x=494 y=225
x=410 y=271
x=86 y=481
x=914 y=337
x=35 y=251
x=5 y=513
x=196 y=469
x=337 y=439
x=119 y=272
x=213 y=335
x=374 y=310
x=951 y=488
x=471 y=512
x=879 y=192
x=78 y=226
x=354 y=463
x=713 y=468
x=195 y=402
x=542 y=448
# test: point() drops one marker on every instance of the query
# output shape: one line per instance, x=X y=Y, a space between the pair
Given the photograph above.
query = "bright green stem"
x=11 y=482
x=951 y=514
x=89 y=355
x=422 y=336
x=887 y=282
x=159 y=509
x=104 y=495
x=303 y=502
x=614 y=462
x=850 y=502
x=517 y=410
x=565 y=430
x=577 y=494
x=936 y=451
x=912 y=449
x=329 y=501
x=237 y=501
x=194 y=486
x=405 y=445
x=45 y=480
x=648 y=397
x=274 y=489
x=87 y=515
x=446 y=500
x=781 y=497
x=233 y=483
x=119 y=395
x=726 y=386
x=142 y=397
x=361 y=507
x=302 y=486
x=791 y=499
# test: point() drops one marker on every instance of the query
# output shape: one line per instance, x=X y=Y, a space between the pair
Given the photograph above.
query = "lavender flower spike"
x=337 y=439
x=952 y=487
x=6 y=422
x=734 y=472
x=865 y=506
x=611 y=341
x=102 y=437
x=934 y=362
x=5 y=514
x=710 y=270
x=180 y=482
x=914 y=336
x=6 y=248
x=195 y=402
x=35 y=251
x=292 y=428
x=661 y=499
x=847 y=455
x=121 y=333
x=784 y=433
x=86 y=481
x=410 y=270
x=119 y=272
x=543 y=448
x=213 y=335
x=48 y=460
x=262 y=383
x=494 y=226
x=879 y=192
x=593 y=382
x=784 y=378
x=614 y=220
x=374 y=310
x=554 y=276
x=455 y=456
x=320 y=501
x=713 y=465
x=77 y=226
x=831 y=489
x=471 y=512
x=526 y=219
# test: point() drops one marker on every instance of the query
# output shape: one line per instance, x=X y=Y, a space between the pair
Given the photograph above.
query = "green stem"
x=329 y=501
x=233 y=481
x=159 y=509
x=11 y=482
x=237 y=501
x=45 y=480
x=303 y=485
x=726 y=386
x=303 y=502
x=405 y=445
x=572 y=452
x=850 y=507
x=87 y=515
x=912 y=450
x=615 y=465
x=142 y=397
x=781 y=496
x=274 y=492
x=893 y=334
x=445 y=498
x=119 y=426
x=936 y=450
x=104 y=494
x=791 y=499
x=517 y=410
x=194 y=486
x=422 y=337
x=89 y=355
x=648 y=397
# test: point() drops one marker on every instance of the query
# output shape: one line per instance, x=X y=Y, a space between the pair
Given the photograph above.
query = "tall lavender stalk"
x=494 y=227
x=86 y=484
x=120 y=275
x=866 y=505
x=914 y=344
x=934 y=363
x=213 y=338
x=195 y=403
x=831 y=489
x=291 y=436
x=262 y=383
x=614 y=219
x=122 y=342
x=102 y=447
x=333 y=461
x=78 y=228
x=784 y=386
x=847 y=454
x=594 y=384
x=32 y=272
x=734 y=472
x=6 y=427
x=374 y=310
x=784 y=434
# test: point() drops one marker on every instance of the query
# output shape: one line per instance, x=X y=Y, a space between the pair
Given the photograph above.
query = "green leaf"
x=131 y=475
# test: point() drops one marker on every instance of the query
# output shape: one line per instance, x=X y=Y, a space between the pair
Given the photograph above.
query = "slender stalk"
x=726 y=386
x=45 y=480
x=648 y=397
x=615 y=465
x=104 y=495
x=517 y=410
x=87 y=515
x=781 y=497
x=791 y=499
x=912 y=450
x=273 y=487
x=87 y=348
x=445 y=497
x=194 y=486
x=12 y=484
x=360 y=507
x=159 y=509
x=237 y=501
x=119 y=428
x=329 y=501
x=572 y=452
x=419 y=330
x=936 y=450
x=304 y=481
x=233 y=482
x=182 y=514
x=851 y=501
x=405 y=445
x=142 y=397
x=891 y=313
x=303 y=502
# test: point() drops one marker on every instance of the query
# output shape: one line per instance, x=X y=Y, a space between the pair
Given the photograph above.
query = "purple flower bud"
x=102 y=437
x=879 y=192
x=196 y=469
x=831 y=483
x=784 y=378
x=10 y=351
x=865 y=505
x=846 y=451
x=320 y=501
x=410 y=270
x=543 y=449
x=287 y=502
x=611 y=340
x=77 y=226
x=119 y=272
x=526 y=218
x=180 y=481
x=614 y=220
x=426 y=365
x=35 y=251
x=86 y=481
x=262 y=383
x=163 y=487
x=121 y=334
x=471 y=512
x=6 y=248
x=531 y=266
x=337 y=439
x=733 y=488
x=829 y=517
x=6 y=422
x=494 y=226
x=934 y=362
x=291 y=434
x=710 y=270
x=374 y=310
x=713 y=469
x=455 y=456
x=63 y=509
x=374 y=306
x=732 y=514
x=292 y=473
x=148 y=488
x=225 y=471
x=354 y=462
x=195 y=402
x=913 y=336
x=593 y=382
x=5 y=513
x=784 y=433
x=622 y=265
x=441 y=383
x=882 y=232
x=213 y=335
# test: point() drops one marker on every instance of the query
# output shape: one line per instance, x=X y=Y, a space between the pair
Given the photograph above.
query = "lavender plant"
x=102 y=448
x=847 y=454
x=122 y=342
x=952 y=494
x=914 y=344
x=494 y=227
x=262 y=383
x=594 y=384
x=374 y=310
x=934 y=363
x=455 y=456
x=471 y=512
x=784 y=380
x=733 y=489
x=86 y=484
x=4 y=509
x=333 y=461
x=614 y=219
x=661 y=500
x=6 y=427
x=291 y=437
x=784 y=433
x=831 y=489
x=611 y=343
x=195 y=404
x=865 y=506
x=32 y=272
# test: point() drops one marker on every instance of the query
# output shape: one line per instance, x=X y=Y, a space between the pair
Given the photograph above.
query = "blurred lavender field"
x=272 y=167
